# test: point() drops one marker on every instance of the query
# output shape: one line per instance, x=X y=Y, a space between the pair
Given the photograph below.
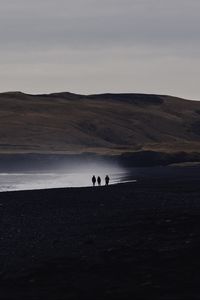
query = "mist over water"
x=76 y=176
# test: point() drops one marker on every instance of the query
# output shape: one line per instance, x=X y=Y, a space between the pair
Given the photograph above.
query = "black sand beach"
x=128 y=241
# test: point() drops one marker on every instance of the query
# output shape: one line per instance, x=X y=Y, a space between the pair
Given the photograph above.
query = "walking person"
x=107 y=179
x=94 y=180
x=99 y=180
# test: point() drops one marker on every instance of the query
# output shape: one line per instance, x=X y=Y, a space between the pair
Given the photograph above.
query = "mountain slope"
x=107 y=123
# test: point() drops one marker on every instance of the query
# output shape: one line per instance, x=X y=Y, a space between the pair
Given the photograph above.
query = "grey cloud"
x=91 y=45
x=80 y=23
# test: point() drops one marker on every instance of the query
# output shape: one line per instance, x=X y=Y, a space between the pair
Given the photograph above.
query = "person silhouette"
x=107 y=179
x=99 y=180
x=93 y=180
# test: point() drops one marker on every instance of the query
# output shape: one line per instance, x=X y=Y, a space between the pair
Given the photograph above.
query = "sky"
x=98 y=46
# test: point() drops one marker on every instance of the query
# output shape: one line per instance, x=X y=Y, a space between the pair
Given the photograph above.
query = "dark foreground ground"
x=129 y=241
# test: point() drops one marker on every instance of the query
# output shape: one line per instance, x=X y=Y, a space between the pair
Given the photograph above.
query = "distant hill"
x=104 y=124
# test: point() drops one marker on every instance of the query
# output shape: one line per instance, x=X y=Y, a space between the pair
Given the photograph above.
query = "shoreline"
x=56 y=179
x=68 y=187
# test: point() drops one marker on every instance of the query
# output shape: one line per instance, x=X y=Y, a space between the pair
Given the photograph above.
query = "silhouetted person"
x=99 y=180
x=107 y=179
x=93 y=180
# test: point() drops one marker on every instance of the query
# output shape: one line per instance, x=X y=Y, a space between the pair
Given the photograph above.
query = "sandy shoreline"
x=128 y=241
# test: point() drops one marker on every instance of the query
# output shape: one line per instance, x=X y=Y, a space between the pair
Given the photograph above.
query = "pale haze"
x=90 y=46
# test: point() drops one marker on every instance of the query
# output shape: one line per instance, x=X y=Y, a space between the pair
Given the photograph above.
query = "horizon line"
x=94 y=94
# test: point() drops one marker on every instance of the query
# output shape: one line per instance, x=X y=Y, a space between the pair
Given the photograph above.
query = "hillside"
x=107 y=123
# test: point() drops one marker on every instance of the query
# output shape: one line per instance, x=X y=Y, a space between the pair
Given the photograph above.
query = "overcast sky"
x=96 y=46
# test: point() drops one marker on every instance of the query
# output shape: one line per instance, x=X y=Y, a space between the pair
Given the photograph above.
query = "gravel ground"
x=128 y=241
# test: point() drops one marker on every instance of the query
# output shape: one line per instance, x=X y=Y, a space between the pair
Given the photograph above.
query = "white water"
x=32 y=181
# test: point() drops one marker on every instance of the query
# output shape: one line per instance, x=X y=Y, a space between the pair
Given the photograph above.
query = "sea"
x=82 y=176
x=45 y=180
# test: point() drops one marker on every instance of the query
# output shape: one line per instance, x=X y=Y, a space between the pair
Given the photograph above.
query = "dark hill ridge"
x=105 y=123
x=131 y=98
